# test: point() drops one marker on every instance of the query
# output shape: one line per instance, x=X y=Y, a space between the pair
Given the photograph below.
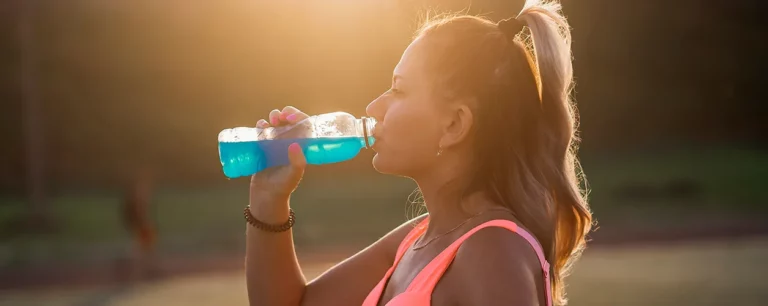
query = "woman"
x=488 y=134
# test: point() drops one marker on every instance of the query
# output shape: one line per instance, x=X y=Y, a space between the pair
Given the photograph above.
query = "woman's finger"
x=291 y=114
x=262 y=124
x=274 y=117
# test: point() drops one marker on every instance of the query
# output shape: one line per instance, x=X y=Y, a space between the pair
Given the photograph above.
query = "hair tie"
x=510 y=26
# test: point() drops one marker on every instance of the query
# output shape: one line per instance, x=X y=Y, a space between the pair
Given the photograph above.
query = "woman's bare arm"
x=274 y=276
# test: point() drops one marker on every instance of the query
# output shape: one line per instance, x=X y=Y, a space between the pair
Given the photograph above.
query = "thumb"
x=298 y=161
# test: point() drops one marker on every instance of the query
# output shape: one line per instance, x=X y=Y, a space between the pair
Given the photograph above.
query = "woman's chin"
x=377 y=162
x=386 y=166
x=380 y=164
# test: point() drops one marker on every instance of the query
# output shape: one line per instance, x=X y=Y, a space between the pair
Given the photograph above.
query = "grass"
x=348 y=209
x=720 y=178
x=90 y=227
x=675 y=188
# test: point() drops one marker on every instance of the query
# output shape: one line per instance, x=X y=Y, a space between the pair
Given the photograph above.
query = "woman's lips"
x=376 y=140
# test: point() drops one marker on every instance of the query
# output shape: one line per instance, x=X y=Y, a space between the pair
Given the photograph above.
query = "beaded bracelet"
x=269 y=227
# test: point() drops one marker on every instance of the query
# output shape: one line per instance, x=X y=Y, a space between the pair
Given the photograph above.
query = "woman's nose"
x=375 y=109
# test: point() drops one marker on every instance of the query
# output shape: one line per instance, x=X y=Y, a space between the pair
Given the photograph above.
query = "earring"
x=440 y=152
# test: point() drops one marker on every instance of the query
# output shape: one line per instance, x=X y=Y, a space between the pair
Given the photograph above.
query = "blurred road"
x=701 y=273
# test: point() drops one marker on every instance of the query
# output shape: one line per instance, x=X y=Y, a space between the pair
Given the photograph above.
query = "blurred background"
x=111 y=190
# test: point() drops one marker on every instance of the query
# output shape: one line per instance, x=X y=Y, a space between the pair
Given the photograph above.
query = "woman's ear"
x=457 y=126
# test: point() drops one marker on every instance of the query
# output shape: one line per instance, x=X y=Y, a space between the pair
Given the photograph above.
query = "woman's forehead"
x=412 y=61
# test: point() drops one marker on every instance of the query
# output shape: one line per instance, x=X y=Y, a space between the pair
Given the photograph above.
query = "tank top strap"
x=373 y=297
x=426 y=280
x=409 y=239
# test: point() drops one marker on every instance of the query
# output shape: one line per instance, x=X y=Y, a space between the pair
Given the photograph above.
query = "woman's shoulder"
x=500 y=238
x=502 y=234
x=502 y=258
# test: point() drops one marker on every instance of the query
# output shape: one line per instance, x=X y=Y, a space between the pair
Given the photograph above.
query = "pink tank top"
x=419 y=292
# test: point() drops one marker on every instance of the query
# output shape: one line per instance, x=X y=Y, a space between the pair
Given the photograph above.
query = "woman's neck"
x=446 y=203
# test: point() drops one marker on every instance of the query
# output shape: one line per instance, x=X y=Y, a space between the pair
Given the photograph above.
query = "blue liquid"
x=249 y=157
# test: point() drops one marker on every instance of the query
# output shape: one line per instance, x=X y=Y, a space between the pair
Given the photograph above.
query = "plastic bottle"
x=327 y=138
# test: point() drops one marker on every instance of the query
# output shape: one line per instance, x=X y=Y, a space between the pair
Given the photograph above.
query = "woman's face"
x=409 y=118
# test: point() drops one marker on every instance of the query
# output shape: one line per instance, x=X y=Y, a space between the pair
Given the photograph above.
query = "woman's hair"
x=525 y=138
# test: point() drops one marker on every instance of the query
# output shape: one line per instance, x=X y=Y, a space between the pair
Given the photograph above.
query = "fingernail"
x=294 y=148
x=273 y=120
x=291 y=117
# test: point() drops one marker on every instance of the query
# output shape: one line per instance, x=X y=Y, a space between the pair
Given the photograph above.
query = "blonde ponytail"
x=551 y=45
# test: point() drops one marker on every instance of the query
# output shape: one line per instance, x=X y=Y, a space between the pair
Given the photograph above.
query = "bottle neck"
x=365 y=126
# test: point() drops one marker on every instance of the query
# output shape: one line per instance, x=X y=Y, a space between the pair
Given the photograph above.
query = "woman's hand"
x=275 y=184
